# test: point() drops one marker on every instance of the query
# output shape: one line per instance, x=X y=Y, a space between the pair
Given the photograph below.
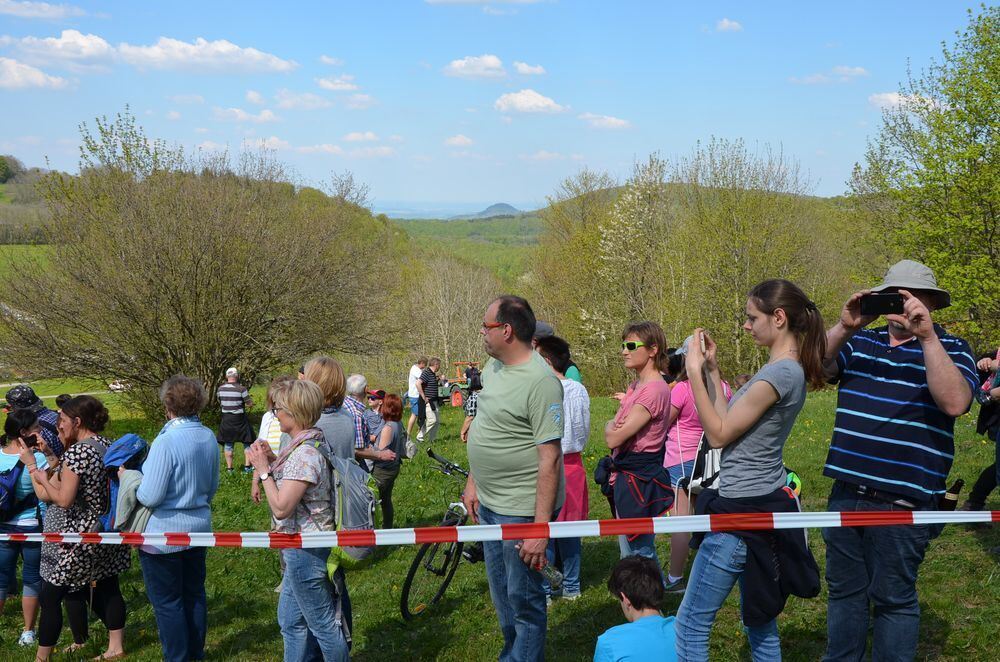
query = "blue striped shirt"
x=889 y=433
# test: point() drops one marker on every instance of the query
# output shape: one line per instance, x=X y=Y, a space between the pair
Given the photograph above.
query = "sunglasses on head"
x=632 y=345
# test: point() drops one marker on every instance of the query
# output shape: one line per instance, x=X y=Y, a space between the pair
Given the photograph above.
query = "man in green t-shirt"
x=516 y=476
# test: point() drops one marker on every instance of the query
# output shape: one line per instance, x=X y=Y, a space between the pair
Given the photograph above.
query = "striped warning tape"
x=473 y=533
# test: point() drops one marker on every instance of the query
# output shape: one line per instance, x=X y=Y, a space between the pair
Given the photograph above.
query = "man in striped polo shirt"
x=234 y=399
x=901 y=386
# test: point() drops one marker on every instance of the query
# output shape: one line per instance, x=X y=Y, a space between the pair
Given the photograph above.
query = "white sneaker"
x=27 y=638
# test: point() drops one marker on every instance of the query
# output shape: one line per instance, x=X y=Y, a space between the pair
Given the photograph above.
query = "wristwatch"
x=264 y=476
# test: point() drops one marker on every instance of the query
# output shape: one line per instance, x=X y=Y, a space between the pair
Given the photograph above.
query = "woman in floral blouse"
x=77 y=494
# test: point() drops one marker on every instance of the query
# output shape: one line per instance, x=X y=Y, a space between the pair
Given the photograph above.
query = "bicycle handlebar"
x=447 y=466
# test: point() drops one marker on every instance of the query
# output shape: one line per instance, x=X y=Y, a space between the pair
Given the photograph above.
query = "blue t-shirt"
x=29 y=516
x=649 y=638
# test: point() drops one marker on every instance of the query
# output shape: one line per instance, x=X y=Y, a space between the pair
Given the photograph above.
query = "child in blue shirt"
x=637 y=583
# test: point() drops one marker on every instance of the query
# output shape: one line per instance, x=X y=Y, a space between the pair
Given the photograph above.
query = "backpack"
x=475 y=379
x=707 y=464
x=129 y=452
x=353 y=500
x=9 y=505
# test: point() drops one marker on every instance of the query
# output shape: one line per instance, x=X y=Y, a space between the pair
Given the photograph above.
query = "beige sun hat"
x=910 y=275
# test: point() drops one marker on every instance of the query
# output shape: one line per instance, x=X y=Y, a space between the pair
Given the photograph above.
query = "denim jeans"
x=877 y=566
x=987 y=481
x=644 y=545
x=717 y=567
x=517 y=594
x=569 y=553
x=9 y=553
x=175 y=585
x=307 y=609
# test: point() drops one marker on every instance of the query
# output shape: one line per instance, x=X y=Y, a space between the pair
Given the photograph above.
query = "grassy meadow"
x=959 y=584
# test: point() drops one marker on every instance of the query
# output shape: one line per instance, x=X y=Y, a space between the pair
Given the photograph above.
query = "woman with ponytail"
x=636 y=436
x=752 y=429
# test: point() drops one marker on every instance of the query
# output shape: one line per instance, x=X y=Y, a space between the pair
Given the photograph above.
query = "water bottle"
x=554 y=576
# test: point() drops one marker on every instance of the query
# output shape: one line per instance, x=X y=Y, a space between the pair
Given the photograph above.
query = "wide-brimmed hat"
x=909 y=275
x=23 y=396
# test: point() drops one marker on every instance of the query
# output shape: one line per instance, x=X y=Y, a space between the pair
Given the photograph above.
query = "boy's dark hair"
x=639 y=578
x=518 y=313
x=556 y=351
x=17 y=422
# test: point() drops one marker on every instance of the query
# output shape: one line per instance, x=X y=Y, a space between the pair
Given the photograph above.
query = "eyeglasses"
x=493 y=325
x=372 y=398
x=632 y=345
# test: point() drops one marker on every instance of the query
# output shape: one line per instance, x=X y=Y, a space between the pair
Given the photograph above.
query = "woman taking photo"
x=77 y=494
x=180 y=477
x=297 y=486
x=392 y=438
x=751 y=430
x=23 y=516
x=637 y=432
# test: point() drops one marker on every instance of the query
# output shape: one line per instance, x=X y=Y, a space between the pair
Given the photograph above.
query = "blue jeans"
x=175 y=585
x=517 y=594
x=9 y=553
x=877 y=566
x=570 y=550
x=644 y=545
x=307 y=609
x=717 y=567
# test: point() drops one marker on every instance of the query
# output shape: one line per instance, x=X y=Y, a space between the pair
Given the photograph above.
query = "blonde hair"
x=302 y=399
x=275 y=386
x=326 y=373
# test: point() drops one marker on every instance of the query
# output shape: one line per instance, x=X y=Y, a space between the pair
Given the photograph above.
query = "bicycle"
x=435 y=564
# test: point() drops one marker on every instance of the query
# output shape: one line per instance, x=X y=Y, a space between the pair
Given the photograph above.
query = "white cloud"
x=839 y=74
x=360 y=137
x=526 y=69
x=458 y=141
x=360 y=101
x=255 y=97
x=338 y=83
x=527 y=101
x=240 y=115
x=71 y=49
x=202 y=56
x=212 y=146
x=543 y=155
x=331 y=61
x=728 y=25
x=304 y=101
x=604 y=121
x=17 y=75
x=173 y=115
x=394 y=138
x=274 y=143
x=887 y=99
x=325 y=148
x=38 y=10
x=201 y=129
x=372 y=152
x=187 y=98
x=476 y=66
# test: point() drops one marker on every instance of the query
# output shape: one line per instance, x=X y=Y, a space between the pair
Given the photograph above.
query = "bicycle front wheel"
x=429 y=576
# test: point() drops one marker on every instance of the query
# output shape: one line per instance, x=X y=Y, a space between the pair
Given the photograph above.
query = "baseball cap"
x=543 y=330
x=232 y=372
x=377 y=394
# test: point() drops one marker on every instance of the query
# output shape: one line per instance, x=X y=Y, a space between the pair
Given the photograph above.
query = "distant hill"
x=499 y=209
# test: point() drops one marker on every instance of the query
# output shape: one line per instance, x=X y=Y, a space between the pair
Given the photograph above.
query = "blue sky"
x=450 y=105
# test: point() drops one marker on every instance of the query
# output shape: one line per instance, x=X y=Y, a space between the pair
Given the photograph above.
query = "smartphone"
x=701 y=341
x=882 y=303
x=31 y=440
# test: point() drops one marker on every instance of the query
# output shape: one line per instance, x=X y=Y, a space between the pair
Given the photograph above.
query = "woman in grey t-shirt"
x=751 y=429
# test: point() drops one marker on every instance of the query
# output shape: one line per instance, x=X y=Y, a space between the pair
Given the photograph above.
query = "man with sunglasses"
x=516 y=476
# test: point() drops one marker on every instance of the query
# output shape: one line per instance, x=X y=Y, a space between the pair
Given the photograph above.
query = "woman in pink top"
x=683 y=436
x=640 y=426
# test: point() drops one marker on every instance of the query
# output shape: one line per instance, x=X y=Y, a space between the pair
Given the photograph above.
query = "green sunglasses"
x=632 y=345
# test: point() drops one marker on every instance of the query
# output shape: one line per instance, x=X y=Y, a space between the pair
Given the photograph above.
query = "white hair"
x=356 y=385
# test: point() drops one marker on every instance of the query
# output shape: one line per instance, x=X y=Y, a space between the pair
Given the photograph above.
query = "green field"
x=13 y=255
x=960 y=596
x=3 y=195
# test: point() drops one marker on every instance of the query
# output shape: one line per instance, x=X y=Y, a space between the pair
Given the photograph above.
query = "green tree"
x=932 y=176
x=165 y=264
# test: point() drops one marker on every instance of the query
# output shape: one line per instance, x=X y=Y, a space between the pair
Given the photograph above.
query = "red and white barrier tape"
x=472 y=533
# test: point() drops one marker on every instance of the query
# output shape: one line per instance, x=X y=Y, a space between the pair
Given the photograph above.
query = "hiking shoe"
x=248 y=470
x=570 y=596
x=229 y=471
x=27 y=638
x=676 y=588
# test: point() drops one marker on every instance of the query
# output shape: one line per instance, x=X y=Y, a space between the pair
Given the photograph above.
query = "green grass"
x=959 y=591
x=3 y=195
x=13 y=255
